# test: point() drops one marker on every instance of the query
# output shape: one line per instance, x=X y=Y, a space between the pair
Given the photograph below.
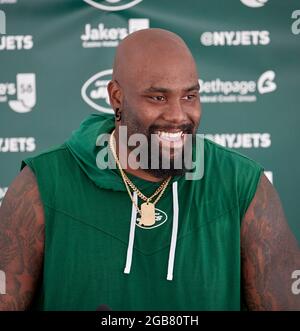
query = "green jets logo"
x=160 y=218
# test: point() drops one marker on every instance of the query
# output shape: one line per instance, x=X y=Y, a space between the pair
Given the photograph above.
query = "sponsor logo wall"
x=13 y=43
x=241 y=140
x=220 y=90
x=19 y=144
x=102 y=36
x=235 y=38
x=52 y=75
x=20 y=95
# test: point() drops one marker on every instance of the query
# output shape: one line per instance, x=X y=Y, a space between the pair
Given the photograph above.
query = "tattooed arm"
x=270 y=253
x=21 y=241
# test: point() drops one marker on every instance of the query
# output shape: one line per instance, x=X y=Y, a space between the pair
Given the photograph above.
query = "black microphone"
x=103 y=308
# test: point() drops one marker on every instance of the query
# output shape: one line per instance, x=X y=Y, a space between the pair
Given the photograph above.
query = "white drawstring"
x=174 y=232
x=131 y=235
x=173 y=238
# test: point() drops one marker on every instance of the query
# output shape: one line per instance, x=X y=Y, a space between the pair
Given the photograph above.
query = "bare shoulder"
x=270 y=253
x=21 y=241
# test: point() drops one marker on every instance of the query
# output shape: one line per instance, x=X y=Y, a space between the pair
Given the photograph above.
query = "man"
x=74 y=236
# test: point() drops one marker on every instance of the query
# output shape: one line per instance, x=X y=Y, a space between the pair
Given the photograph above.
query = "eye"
x=158 y=98
x=189 y=97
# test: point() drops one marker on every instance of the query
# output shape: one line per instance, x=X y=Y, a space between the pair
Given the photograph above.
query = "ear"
x=115 y=94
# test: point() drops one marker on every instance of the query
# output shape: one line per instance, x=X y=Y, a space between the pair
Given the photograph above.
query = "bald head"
x=144 y=51
x=154 y=89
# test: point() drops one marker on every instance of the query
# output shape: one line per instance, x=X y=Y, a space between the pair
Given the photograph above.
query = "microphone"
x=103 y=308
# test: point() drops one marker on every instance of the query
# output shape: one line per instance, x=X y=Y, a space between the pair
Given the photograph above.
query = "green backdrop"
x=56 y=59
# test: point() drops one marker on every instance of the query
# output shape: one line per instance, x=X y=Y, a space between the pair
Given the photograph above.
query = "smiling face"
x=155 y=84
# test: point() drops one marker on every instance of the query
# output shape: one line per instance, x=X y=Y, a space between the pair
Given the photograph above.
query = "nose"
x=175 y=112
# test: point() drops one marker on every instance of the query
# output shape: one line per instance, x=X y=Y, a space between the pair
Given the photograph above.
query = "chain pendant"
x=148 y=214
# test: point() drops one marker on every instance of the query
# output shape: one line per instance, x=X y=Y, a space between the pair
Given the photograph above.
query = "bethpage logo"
x=17 y=144
x=3 y=191
x=220 y=91
x=254 y=3
x=25 y=91
x=296 y=24
x=235 y=38
x=101 y=36
x=113 y=5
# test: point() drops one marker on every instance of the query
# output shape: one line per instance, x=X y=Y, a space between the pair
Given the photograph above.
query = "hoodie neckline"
x=82 y=145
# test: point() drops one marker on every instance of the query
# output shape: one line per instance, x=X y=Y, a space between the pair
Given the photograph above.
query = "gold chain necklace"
x=147 y=210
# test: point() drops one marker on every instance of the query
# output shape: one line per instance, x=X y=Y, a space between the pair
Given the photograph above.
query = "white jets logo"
x=94 y=91
x=265 y=83
x=26 y=94
x=113 y=5
x=254 y=3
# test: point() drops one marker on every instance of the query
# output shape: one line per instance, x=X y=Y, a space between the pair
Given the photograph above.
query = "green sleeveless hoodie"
x=96 y=253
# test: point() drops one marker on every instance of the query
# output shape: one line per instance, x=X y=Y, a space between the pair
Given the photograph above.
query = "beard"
x=168 y=160
x=159 y=161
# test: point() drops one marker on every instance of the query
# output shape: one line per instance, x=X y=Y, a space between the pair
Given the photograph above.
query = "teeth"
x=174 y=137
x=164 y=134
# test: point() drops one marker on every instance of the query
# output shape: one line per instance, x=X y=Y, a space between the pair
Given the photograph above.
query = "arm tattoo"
x=270 y=253
x=21 y=241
